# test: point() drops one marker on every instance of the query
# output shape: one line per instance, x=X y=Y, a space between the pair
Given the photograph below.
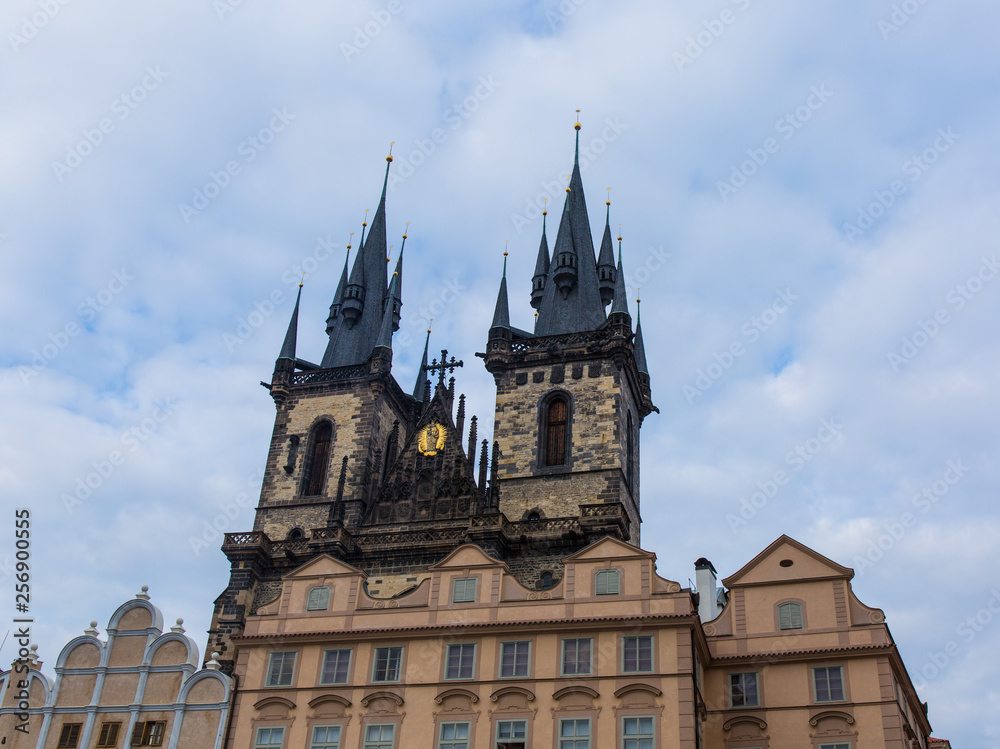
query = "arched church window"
x=556 y=430
x=319 y=457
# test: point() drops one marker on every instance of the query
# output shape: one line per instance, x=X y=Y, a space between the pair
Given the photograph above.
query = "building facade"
x=140 y=686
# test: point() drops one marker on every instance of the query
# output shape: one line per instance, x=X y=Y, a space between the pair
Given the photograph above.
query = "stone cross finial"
x=444 y=365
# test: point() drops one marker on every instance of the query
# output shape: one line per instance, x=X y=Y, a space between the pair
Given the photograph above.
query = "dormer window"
x=318 y=599
x=790 y=615
x=607 y=582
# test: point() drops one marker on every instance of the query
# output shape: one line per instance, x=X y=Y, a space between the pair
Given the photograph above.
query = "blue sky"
x=813 y=186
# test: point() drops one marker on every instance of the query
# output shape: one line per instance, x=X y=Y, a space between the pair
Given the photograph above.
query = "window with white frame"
x=512 y=734
x=281 y=669
x=269 y=738
x=318 y=599
x=829 y=683
x=380 y=736
x=576 y=658
x=336 y=666
x=637 y=733
x=325 y=737
x=790 y=615
x=515 y=658
x=743 y=690
x=453 y=736
x=607 y=582
x=637 y=654
x=574 y=733
x=460 y=661
x=388 y=662
x=463 y=590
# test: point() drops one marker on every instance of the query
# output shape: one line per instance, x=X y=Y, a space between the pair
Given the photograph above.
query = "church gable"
x=432 y=477
x=466 y=556
x=608 y=548
x=322 y=566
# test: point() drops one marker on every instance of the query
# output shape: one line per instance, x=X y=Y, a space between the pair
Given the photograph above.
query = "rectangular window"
x=463 y=590
x=460 y=661
x=637 y=654
x=325 y=737
x=380 y=736
x=574 y=733
x=835 y=746
x=514 y=658
x=637 y=733
x=387 y=664
x=69 y=735
x=790 y=615
x=269 y=738
x=576 y=656
x=281 y=669
x=608 y=583
x=318 y=599
x=336 y=664
x=454 y=736
x=149 y=733
x=512 y=734
x=829 y=682
x=109 y=734
x=743 y=690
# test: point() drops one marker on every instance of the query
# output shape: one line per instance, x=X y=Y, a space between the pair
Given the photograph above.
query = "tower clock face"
x=431 y=438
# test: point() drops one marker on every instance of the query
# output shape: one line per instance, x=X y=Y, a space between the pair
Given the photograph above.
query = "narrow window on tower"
x=319 y=456
x=556 y=428
x=629 y=459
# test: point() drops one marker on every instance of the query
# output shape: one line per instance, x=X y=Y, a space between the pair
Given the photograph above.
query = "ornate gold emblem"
x=431 y=438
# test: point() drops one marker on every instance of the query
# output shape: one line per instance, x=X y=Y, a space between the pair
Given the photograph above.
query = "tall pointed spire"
x=571 y=299
x=418 y=389
x=541 y=267
x=606 y=259
x=640 y=348
x=501 y=314
x=620 y=303
x=288 y=347
x=338 y=297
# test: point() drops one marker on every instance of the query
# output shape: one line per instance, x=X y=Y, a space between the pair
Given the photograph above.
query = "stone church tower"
x=385 y=478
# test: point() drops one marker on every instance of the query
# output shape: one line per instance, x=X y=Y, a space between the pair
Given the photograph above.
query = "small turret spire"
x=501 y=314
x=620 y=303
x=385 y=333
x=397 y=300
x=541 y=265
x=638 y=346
x=606 y=273
x=288 y=347
x=421 y=386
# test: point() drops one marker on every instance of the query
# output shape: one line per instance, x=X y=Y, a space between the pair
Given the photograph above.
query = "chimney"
x=704 y=580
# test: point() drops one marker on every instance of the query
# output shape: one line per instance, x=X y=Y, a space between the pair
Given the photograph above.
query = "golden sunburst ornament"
x=430 y=441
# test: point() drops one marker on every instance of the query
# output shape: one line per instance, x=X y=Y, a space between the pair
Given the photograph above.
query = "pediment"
x=323 y=566
x=609 y=548
x=787 y=560
x=467 y=555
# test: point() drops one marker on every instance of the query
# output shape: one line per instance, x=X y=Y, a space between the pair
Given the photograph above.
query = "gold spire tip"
x=389 y=157
x=576 y=125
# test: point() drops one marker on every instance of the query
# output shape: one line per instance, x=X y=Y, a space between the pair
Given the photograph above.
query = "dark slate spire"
x=288 y=347
x=338 y=297
x=418 y=389
x=573 y=305
x=640 y=349
x=385 y=333
x=606 y=262
x=365 y=296
x=541 y=268
x=501 y=314
x=397 y=299
x=620 y=303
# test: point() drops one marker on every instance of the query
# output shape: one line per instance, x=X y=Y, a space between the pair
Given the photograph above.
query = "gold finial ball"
x=567 y=189
x=607 y=202
x=576 y=126
x=619 y=237
x=389 y=158
x=300 y=284
x=545 y=213
x=404 y=236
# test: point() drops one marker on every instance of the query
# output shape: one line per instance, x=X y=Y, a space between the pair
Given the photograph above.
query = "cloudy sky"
x=808 y=199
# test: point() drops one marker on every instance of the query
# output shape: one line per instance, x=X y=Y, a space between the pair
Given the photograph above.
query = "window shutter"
x=137 y=734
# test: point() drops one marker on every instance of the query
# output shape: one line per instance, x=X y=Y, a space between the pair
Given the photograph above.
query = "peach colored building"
x=462 y=656
x=139 y=687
